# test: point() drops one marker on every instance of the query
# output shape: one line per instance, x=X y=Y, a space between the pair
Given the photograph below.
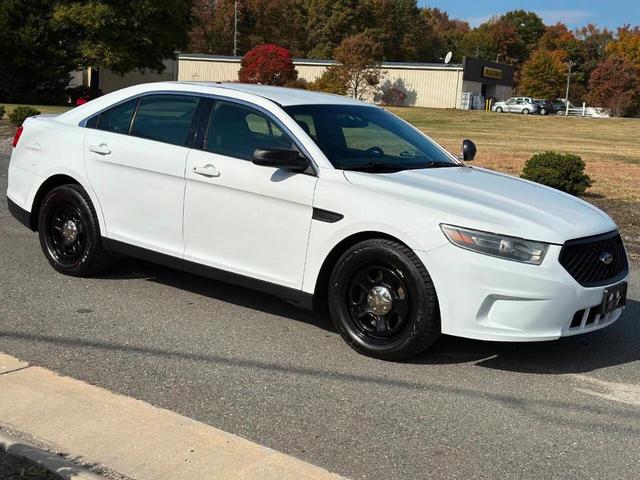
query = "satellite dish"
x=447 y=59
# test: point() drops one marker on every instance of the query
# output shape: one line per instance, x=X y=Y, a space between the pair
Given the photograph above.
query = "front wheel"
x=543 y=111
x=382 y=300
x=69 y=232
x=499 y=110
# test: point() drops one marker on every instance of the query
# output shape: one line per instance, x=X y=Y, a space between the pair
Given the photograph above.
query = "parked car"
x=524 y=105
x=545 y=107
x=322 y=200
x=559 y=105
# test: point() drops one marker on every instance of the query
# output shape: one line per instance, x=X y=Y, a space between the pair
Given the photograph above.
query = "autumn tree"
x=213 y=27
x=626 y=44
x=615 y=84
x=267 y=65
x=398 y=26
x=448 y=34
x=528 y=26
x=331 y=21
x=281 y=22
x=494 y=40
x=358 y=60
x=593 y=41
x=544 y=74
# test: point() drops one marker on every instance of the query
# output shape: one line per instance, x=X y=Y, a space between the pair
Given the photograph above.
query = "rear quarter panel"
x=47 y=148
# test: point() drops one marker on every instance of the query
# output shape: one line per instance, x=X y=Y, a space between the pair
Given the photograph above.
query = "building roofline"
x=319 y=62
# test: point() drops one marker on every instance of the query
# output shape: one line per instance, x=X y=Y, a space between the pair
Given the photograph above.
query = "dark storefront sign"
x=488 y=73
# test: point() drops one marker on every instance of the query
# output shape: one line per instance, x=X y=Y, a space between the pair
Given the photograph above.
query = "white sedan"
x=322 y=200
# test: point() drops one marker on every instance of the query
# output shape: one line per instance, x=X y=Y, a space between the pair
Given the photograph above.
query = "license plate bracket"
x=613 y=298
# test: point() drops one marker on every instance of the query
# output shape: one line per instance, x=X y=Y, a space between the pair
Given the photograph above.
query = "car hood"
x=490 y=201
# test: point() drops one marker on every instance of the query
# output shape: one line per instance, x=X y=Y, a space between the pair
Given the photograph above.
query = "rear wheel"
x=69 y=232
x=525 y=111
x=382 y=300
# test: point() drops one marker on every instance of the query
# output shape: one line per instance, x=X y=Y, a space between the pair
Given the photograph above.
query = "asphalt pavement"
x=255 y=366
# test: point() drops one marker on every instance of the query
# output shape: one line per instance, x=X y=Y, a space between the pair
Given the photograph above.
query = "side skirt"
x=301 y=299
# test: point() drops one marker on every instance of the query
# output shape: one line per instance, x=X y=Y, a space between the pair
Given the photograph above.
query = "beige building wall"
x=110 y=81
x=426 y=86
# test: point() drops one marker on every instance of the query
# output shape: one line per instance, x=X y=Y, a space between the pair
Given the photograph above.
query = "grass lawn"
x=610 y=148
x=7 y=129
x=9 y=107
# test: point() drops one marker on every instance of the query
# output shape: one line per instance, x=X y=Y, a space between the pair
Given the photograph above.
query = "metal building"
x=425 y=84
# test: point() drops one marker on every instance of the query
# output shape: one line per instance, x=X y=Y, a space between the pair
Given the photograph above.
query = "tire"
x=363 y=281
x=70 y=233
x=525 y=111
x=499 y=110
x=543 y=111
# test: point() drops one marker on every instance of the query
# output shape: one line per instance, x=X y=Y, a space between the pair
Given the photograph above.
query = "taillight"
x=17 y=136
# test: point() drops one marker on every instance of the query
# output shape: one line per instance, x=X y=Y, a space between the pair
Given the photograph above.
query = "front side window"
x=368 y=138
x=165 y=118
x=238 y=131
x=116 y=119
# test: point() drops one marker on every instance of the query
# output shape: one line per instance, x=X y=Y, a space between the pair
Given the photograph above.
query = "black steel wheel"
x=382 y=300
x=69 y=232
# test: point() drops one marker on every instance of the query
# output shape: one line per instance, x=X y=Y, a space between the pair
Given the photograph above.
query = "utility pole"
x=235 y=28
x=566 y=98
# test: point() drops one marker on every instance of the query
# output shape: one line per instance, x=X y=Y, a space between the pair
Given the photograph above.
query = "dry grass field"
x=610 y=148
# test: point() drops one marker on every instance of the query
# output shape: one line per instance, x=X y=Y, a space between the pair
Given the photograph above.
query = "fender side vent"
x=326 y=215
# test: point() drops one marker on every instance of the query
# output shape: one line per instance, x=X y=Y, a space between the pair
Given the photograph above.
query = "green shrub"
x=333 y=80
x=2 y=112
x=558 y=170
x=21 y=113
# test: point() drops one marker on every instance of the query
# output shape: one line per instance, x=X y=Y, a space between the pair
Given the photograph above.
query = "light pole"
x=566 y=98
x=235 y=29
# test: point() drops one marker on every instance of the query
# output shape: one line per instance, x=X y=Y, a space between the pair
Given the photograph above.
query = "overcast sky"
x=575 y=13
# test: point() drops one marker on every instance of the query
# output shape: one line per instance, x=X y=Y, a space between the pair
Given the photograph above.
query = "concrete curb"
x=129 y=436
x=54 y=463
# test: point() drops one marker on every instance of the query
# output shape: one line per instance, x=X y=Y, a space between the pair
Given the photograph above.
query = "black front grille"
x=583 y=259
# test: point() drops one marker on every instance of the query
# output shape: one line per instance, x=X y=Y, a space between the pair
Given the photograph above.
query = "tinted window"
x=165 y=118
x=237 y=131
x=355 y=137
x=116 y=119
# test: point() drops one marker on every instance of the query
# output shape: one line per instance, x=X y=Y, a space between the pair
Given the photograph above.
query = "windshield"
x=368 y=138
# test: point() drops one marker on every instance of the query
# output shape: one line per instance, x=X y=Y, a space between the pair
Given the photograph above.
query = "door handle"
x=207 y=170
x=102 y=149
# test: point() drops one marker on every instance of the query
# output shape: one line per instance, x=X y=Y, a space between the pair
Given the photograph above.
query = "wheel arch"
x=321 y=288
x=46 y=186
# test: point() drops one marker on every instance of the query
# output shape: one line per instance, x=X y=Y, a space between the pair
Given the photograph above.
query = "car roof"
x=281 y=95
x=258 y=94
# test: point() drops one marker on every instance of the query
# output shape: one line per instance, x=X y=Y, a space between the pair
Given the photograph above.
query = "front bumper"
x=488 y=298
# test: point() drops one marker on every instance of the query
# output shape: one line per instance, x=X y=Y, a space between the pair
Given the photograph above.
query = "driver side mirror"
x=284 y=159
x=468 y=150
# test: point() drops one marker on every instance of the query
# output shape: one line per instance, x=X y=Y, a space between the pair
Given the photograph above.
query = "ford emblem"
x=606 y=258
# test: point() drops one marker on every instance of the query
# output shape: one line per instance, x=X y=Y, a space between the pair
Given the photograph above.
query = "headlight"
x=502 y=246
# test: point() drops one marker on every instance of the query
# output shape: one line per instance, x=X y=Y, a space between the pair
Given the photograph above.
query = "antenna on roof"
x=447 y=59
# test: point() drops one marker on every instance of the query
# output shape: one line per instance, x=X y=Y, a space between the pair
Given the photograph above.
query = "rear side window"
x=116 y=119
x=165 y=118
